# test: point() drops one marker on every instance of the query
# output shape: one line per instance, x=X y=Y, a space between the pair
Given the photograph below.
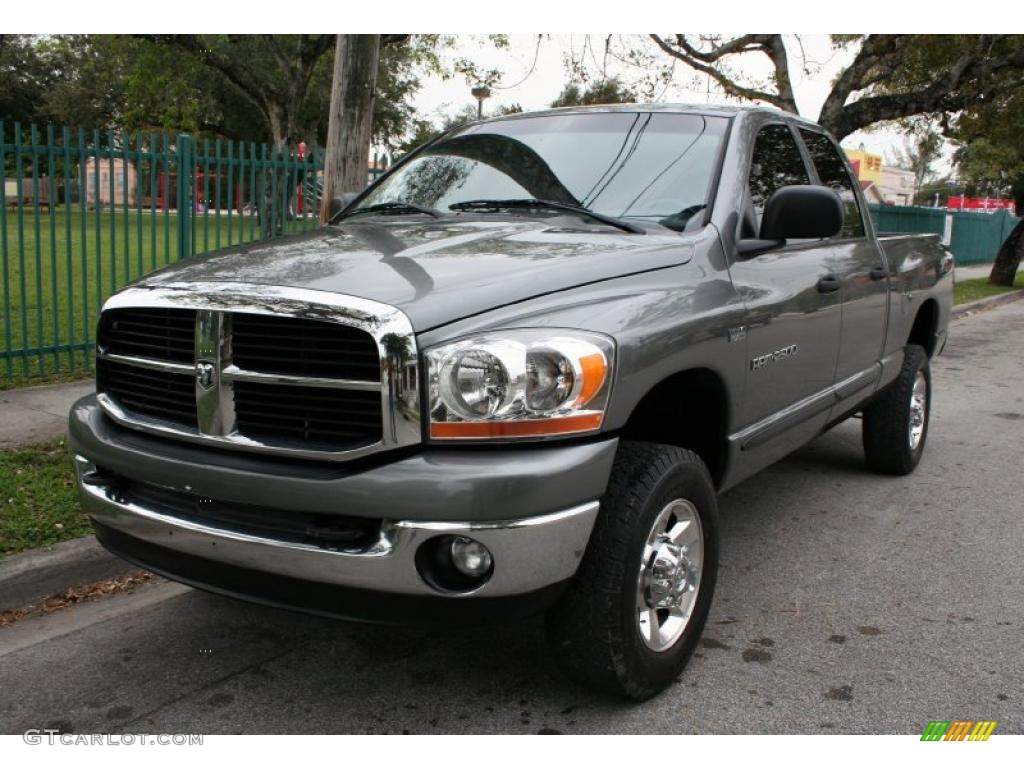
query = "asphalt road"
x=847 y=603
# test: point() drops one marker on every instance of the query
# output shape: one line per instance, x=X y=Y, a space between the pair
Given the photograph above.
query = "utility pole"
x=350 y=124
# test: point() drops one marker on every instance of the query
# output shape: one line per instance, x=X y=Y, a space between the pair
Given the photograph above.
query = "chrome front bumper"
x=529 y=553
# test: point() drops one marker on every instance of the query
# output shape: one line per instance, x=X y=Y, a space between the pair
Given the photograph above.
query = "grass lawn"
x=38 y=503
x=980 y=288
x=58 y=269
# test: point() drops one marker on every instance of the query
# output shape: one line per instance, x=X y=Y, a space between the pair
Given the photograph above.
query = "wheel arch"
x=688 y=409
x=926 y=325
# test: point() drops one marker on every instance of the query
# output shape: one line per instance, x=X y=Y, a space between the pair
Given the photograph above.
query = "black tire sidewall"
x=653 y=669
x=917 y=362
x=886 y=425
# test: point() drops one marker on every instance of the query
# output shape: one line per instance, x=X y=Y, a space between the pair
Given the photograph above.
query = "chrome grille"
x=294 y=346
x=288 y=371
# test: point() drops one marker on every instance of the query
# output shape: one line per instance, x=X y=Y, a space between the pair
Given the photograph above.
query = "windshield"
x=656 y=167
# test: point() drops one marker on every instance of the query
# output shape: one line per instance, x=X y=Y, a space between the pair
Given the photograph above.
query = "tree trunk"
x=1004 y=271
x=351 y=118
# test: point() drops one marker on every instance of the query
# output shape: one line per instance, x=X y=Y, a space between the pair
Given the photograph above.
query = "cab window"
x=776 y=162
x=833 y=173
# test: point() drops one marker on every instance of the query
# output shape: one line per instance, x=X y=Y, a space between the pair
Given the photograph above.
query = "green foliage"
x=472 y=72
x=24 y=79
x=921 y=149
x=425 y=130
x=607 y=91
x=990 y=160
x=138 y=83
x=38 y=503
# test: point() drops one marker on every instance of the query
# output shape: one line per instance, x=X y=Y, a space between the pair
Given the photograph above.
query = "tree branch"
x=946 y=93
x=703 y=61
x=237 y=75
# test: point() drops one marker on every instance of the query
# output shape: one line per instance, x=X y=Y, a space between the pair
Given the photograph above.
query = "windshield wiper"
x=394 y=206
x=553 y=205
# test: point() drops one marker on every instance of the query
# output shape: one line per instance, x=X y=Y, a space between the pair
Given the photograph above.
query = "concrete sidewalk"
x=34 y=415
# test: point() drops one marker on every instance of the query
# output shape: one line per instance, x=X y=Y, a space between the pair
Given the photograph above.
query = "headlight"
x=519 y=384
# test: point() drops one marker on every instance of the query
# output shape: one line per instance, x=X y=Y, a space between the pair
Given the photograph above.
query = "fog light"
x=470 y=557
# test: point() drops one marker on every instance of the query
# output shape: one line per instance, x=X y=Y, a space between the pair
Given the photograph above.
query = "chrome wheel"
x=918 y=410
x=669 y=577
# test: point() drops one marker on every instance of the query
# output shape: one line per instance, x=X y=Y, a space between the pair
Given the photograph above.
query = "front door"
x=794 y=311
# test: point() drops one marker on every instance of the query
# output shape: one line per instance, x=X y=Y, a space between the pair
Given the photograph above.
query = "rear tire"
x=895 y=426
x=632 y=615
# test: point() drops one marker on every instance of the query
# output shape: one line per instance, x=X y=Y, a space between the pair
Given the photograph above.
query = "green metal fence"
x=973 y=236
x=85 y=213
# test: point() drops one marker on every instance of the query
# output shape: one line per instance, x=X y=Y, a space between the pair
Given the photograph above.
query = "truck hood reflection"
x=439 y=271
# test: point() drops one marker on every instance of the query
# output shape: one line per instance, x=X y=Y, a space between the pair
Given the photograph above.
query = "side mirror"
x=802 y=212
x=340 y=203
x=796 y=212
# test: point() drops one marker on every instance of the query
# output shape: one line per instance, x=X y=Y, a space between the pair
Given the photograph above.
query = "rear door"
x=860 y=265
x=793 y=315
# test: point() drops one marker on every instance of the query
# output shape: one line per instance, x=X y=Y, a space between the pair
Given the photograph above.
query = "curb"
x=39 y=573
x=990 y=302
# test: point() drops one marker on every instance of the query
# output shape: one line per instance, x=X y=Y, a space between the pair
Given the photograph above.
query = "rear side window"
x=776 y=163
x=832 y=172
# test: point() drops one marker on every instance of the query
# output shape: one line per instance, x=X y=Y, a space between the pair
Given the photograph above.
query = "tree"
x=351 y=116
x=425 y=130
x=891 y=77
x=272 y=71
x=991 y=161
x=403 y=61
x=422 y=132
x=277 y=74
x=606 y=91
x=24 y=79
x=1004 y=270
x=920 y=151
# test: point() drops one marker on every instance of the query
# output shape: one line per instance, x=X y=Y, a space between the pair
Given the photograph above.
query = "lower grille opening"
x=337 y=533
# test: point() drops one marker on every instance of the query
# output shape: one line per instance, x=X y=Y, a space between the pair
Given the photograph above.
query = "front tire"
x=635 y=610
x=895 y=426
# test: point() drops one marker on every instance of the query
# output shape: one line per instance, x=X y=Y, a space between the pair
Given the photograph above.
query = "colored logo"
x=958 y=730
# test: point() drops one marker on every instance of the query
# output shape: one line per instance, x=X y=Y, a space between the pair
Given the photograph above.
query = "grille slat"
x=158 y=394
x=263 y=411
x=366 y=421
x=158 y=334
x=301 y=347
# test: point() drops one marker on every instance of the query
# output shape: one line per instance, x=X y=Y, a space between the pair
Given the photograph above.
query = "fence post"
x=185 y=190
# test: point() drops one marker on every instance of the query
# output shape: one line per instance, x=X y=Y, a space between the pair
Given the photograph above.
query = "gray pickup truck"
x=512 y=376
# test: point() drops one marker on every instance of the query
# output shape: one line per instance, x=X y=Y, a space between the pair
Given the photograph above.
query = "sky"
x=534 y=87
